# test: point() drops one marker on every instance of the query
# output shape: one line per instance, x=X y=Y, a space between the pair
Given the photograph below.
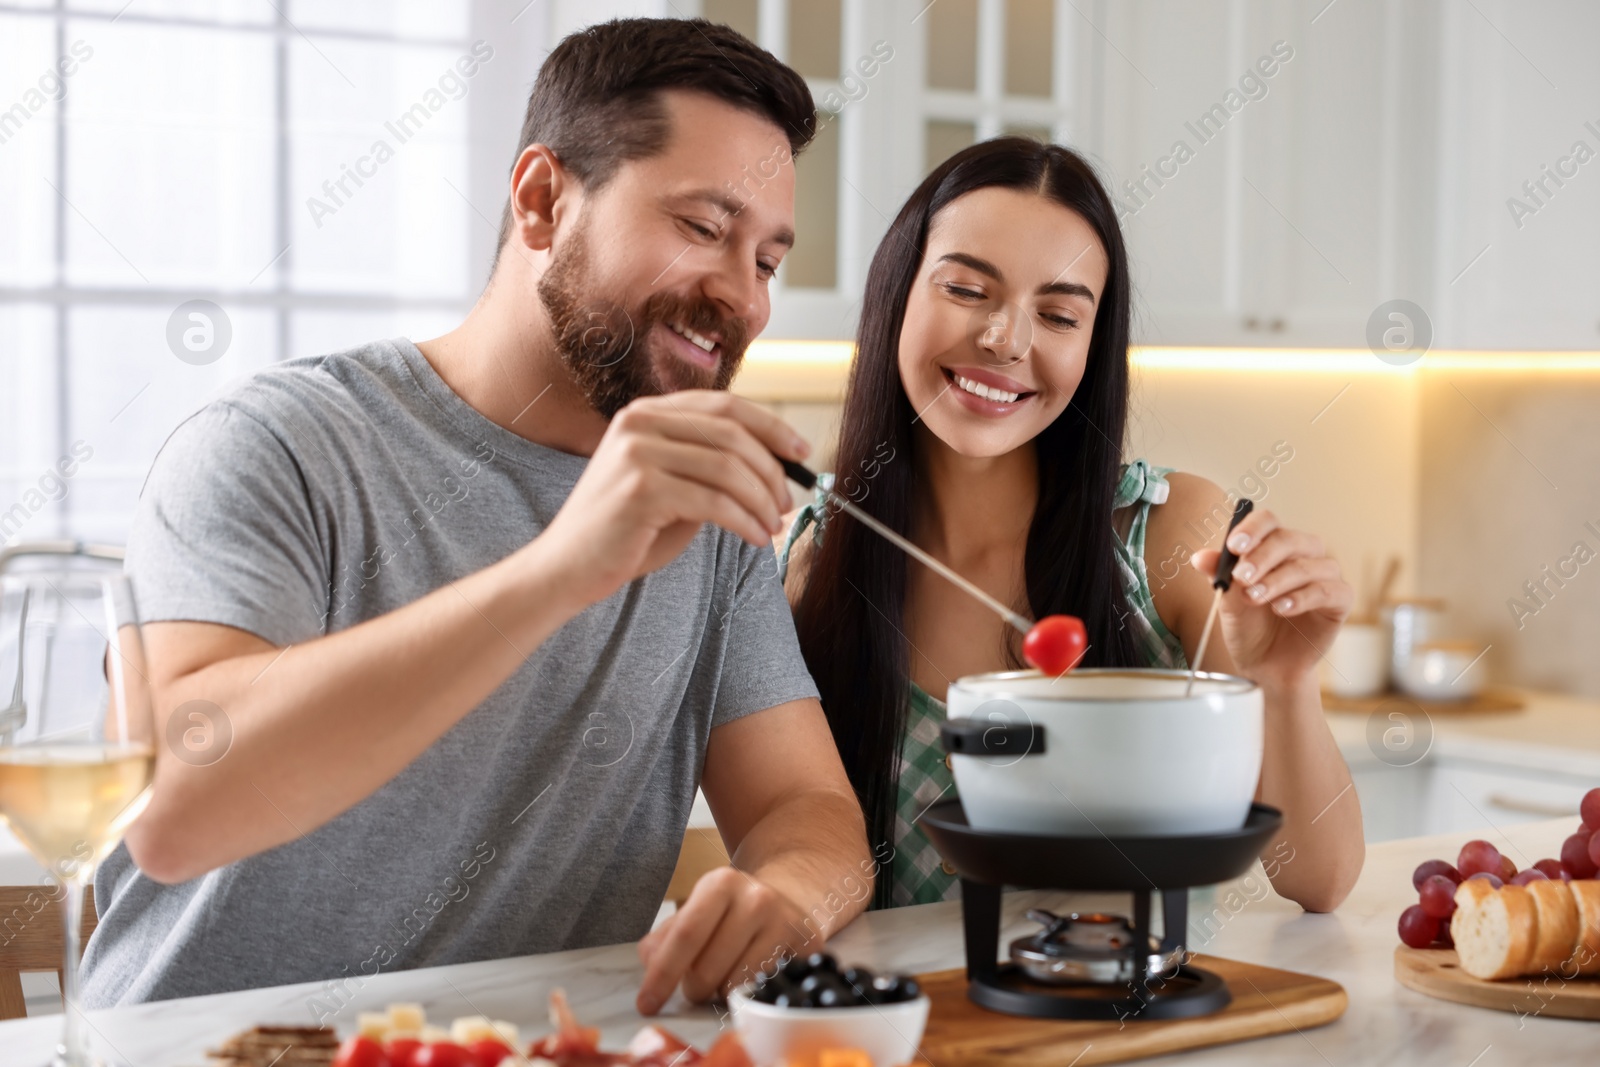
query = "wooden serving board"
x=1265 y=1001
x=1488 y=701
x=1435 y=972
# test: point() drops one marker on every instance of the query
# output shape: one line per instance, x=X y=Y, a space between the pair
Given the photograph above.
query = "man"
x=476 y=616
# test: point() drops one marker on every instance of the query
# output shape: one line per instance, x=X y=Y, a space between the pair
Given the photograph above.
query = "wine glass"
x=76 y=745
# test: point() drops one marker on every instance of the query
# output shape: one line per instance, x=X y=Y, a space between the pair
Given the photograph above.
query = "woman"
x=984 y=419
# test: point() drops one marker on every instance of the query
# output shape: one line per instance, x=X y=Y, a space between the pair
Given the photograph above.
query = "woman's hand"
x=1286 y=602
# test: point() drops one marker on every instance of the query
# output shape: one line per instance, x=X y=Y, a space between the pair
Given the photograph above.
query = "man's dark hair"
x=597 y=100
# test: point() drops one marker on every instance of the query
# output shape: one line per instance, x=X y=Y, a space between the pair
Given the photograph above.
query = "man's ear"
x=541 y=193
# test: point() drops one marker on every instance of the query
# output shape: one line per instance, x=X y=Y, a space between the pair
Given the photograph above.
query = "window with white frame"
x=288 y=164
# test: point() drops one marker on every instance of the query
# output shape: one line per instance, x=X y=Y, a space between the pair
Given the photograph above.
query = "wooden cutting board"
x=1487 y=702
x=1435 y=972
x=1265 y=1001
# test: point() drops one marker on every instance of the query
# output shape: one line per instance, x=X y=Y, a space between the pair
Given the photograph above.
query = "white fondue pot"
x=1114 y=752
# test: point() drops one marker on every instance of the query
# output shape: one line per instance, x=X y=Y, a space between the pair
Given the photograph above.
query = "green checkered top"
x=918 y=874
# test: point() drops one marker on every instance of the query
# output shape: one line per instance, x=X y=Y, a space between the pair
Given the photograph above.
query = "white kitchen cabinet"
x=1468 y=795
x=1447 y=793
x=1518 y=96
x=1283 y=218
x=1379 y=162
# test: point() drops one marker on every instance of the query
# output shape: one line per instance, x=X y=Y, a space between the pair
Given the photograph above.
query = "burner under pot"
x=1090 y=948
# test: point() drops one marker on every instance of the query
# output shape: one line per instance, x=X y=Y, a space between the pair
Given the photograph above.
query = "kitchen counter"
x=1354 y=946
x=1554 y=729
x=1420 y=774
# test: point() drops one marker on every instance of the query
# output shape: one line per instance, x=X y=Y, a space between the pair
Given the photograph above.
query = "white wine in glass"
x=77 y=750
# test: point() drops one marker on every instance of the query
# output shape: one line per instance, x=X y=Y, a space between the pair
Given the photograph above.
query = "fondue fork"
x=1222 y=581
x=808 y=479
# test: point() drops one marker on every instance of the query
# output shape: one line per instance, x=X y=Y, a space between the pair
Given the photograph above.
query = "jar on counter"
x=1409 y=622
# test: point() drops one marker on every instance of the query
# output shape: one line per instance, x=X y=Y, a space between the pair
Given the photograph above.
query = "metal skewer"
x=1222 y=581
x=807 y=478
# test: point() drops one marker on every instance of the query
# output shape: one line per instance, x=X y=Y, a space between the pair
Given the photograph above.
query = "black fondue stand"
x=1145 y=867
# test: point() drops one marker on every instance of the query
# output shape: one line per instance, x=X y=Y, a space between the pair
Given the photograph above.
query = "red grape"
x=1445 y=940
x=1428 y=868
x=1551 y=868
x=1417 y=928
x=1594 y=850
x=1439 y=896
x=1478 y=856
x=1575 y=856
x=1492 y=879
x=1589 y=808
x=1508 y=870
x=1532 y=874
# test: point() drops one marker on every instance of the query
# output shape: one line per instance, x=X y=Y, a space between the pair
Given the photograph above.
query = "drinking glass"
x=76 y=745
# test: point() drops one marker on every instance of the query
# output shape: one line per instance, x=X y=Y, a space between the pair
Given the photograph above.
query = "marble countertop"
x=1354 y=946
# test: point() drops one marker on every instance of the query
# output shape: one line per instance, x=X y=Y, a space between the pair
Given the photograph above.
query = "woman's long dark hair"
x=850 y=614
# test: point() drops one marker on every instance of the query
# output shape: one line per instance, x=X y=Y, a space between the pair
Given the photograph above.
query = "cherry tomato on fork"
x=1056 y=643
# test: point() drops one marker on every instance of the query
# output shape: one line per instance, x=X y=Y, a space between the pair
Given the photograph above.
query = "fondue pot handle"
x=975 y=737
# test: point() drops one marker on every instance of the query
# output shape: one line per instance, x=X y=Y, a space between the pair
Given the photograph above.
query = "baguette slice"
x=1556 y=938
x=1586 y=957
x=1494 y=929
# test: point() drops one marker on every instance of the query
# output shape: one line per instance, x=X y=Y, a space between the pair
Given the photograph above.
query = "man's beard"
x=604 y=344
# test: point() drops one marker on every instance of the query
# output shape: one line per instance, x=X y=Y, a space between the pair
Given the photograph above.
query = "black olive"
x=859 y=979
x=817 y=980
x=909 y=989
x=786 y=998
x=795 y=969
x=821 y=961
x=831 y=997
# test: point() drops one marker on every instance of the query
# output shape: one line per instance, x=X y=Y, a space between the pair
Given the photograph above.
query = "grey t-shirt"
x=327 y=491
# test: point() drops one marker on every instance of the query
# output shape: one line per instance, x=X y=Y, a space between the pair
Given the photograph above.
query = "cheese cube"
x=470 y=1028
x=407 y=1017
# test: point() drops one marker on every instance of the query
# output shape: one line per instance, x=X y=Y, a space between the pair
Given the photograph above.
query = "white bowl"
x=1444 y=671
x=889 y=1033
x=1125 y=752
